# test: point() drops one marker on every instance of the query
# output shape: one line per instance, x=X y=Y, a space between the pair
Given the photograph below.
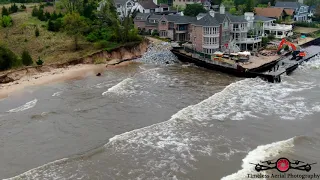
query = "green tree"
x=35 y=11
x=228 y=4
x=13 y=8
x=241 y=8
x=194 y=9
x=39 y=62
x=233 y=11
x=23 y=7
x=26 y=58
x=7 y=58
x=74 y=25
x=249 y=6
x=54 y=16
x=72 y=5
x=47 y=15
x=6 y=22
x=40 y=15
x=262 y=5
x=37 y=32
x=5 y=11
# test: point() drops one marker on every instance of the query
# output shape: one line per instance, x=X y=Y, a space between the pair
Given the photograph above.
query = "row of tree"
x=9 y=59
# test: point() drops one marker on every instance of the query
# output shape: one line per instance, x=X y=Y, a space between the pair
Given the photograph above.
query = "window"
x=210 y=40
x=163 y=33
x=151 y=10
x=210 y=30
x=165 y=9
x=163 y=22
x=209 y=51
x=118 y=5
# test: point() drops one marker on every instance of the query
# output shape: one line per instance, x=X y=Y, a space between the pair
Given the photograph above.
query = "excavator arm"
x=285 y=42
x=296 y=53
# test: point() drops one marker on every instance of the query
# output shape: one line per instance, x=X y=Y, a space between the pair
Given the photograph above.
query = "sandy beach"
x=56 y=75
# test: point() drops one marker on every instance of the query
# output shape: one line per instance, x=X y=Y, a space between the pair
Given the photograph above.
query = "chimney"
x=211 y=12
x=222 y=9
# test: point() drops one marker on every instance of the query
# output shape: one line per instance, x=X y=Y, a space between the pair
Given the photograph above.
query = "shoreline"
x=55 y=75
x=16 y=80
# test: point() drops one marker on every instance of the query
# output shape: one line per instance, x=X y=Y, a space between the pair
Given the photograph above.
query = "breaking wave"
x=261 y=153
x=57 y=93
x=128 y=86
x=172 y=148
x=24 y=107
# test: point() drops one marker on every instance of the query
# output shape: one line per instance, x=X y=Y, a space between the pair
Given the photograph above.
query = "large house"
x=129 y=6
x=212 y=31
x=301 y=11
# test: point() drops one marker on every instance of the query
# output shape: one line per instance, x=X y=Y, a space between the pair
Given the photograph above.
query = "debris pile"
x=159 y=53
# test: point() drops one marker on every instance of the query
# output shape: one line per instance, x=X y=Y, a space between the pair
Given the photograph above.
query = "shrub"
x=37 y=32
x=271 y=37
x=5 y=11
x=55 y=25
x=92 y=36
x=307 y=24
x=23 y=7
x=6 y=21
x=41 y=16
x=101 y=44
x=47 y=15
x=54 y=16
x=155 y=33
x=265 y=41
x=13 y=8
x=39 y=62
x=35 y=12
x=50 y=25
x=8 y=59
x=26 y=58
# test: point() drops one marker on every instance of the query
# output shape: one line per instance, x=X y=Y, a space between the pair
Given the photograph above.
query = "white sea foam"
x=128 y=85
x=32 y=173
x=24 y=107
x=261 y=153
x=57 y=93
x=120 y=88
x=173 y=146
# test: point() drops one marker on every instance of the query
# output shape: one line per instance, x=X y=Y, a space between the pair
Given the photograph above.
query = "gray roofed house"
x=220 y=17
x=142 y=16
x=148 y=4
x=235 y=19
x=262 y=18
x=180 y=19
x=301 y=10
x=207 y=20
x=294 y=5
x=155 y=16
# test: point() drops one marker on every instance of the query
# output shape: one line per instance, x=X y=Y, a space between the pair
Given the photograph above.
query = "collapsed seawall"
x=120 y=54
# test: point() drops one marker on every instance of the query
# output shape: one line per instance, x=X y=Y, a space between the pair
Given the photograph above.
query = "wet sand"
x=56 y=75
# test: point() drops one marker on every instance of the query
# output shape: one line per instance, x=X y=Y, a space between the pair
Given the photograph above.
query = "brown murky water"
x=159 y=122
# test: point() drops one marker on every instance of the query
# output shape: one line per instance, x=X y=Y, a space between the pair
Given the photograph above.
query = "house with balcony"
x=301 y=11
x=269 y=27
x=175 y=27
x=147 y=22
